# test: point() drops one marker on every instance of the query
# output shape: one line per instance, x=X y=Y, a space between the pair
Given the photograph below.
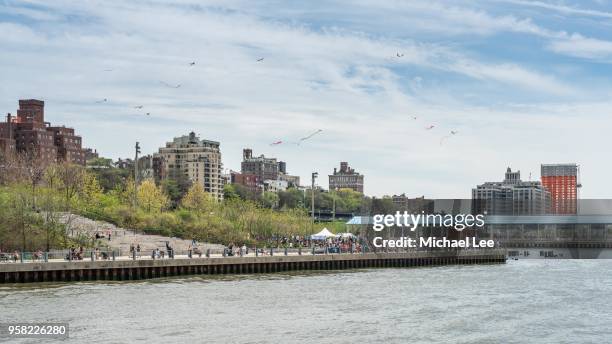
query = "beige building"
x=189 y=158
x=346 y=178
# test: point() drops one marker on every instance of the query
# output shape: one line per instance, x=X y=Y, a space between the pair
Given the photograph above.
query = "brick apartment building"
x=346 y=178
x=250 y=181
x=29 y=133
x=257 y=171
x=264 y=168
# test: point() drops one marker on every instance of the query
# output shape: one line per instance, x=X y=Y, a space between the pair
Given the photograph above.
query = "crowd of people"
x=338 y=244
x=330 y=245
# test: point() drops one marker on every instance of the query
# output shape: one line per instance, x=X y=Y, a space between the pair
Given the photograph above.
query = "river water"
x=538 y=301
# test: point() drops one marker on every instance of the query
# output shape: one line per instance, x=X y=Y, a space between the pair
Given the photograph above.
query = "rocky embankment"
x=122 y=238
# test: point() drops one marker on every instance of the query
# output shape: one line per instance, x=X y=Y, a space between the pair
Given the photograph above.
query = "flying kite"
x=280 y=142
x=171 y=86
x=102 y=101
x=260 y=59
x=138 y=107
x=399 y=55
x=192 y=63
x=311 y=135
x=451 y=134
x=429 y=127
x=148 y=114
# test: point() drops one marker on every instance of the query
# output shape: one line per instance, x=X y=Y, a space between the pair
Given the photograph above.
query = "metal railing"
x=102 y=255
x=253 y=251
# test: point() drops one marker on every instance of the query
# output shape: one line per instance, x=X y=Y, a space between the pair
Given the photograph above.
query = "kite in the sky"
x=192 y=63
x=102 y=101
x=148 y=114
x=171 y=86
x=414 y=117
x=399 y=55
x=429 y=127
x=280 y=142
x=260 y=59
x=311 y=135
x=451 y=134
x=138 y=107
x=307 y=137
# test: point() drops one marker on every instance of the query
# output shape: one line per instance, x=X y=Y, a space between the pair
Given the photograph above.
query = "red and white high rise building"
x=563 y=182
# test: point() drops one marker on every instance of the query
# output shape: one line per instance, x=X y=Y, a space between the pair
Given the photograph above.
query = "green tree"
x=126 y=195
x=172 y=190
x=91 y=191
x=291 y=198
x=197 y=199
x=111 y=177
x=230 y=193
x=270 y=200
x=151 y=197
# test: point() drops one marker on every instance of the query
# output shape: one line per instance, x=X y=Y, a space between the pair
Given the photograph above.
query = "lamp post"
x=314 y=176
x=137 y=149
x=333 y=193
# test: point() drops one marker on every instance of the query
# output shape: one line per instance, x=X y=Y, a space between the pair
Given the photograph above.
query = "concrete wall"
x=143 y=269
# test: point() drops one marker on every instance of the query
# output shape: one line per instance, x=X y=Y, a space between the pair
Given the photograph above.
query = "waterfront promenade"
x=124 y=268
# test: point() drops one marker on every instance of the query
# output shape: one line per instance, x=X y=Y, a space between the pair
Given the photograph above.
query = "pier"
x=122 y=270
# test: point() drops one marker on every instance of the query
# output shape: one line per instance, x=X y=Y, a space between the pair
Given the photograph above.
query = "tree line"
x=33 y=198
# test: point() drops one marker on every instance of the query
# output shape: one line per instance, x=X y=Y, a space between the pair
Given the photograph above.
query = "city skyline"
x=523 y=83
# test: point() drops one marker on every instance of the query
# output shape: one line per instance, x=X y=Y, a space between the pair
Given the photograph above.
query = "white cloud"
x=579 y=46
x=561 y=8
x=454 y=20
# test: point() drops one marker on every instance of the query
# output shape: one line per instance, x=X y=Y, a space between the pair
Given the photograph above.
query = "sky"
x=520 y=82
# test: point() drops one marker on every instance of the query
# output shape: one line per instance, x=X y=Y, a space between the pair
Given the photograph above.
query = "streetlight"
x=137 y=149
x=314 y=176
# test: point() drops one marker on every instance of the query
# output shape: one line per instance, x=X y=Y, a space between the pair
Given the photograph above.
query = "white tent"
x=345 y=235
x=322 y=235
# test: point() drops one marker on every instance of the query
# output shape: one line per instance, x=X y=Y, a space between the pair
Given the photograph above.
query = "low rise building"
x=292 y=181
x=90 y=154
x=251 y=181
x=275 y=185
x=413 y=205
x=512 y=196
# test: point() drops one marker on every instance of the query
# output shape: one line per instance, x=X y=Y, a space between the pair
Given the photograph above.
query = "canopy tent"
x=345 y=235
x=322 y=235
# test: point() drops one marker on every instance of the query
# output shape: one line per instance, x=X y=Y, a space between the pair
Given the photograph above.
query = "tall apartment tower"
x=562 y=180
x=190 y=158
x=346 y=178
